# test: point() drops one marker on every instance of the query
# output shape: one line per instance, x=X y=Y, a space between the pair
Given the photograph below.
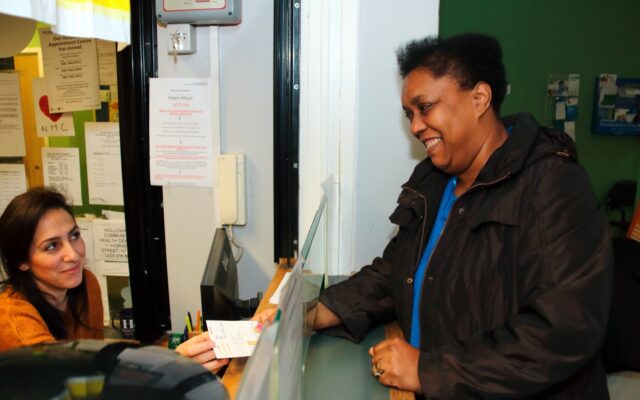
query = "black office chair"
x=621 y=197
x=621 y=347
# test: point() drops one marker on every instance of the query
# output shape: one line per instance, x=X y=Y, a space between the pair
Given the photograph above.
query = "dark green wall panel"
x=543 y=37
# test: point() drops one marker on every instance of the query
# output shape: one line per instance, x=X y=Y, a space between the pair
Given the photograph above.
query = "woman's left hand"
x=396 y=362
x=200 y=349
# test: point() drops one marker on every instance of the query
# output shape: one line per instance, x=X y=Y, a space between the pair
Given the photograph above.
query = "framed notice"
x=616 y=105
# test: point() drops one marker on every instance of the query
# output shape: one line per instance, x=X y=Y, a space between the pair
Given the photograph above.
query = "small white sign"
x=11 y=128
x=104 y=169
x=110 y=243
x=61 y=169
x=13 y=181
x=71 y=69
x=47 y=123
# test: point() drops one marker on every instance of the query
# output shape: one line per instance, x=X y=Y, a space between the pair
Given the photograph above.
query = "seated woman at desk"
x=47 y=293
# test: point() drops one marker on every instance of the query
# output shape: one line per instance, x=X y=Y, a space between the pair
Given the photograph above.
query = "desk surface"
x=328 y=359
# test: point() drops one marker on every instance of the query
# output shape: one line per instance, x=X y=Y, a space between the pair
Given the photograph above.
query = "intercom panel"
x=199 y=12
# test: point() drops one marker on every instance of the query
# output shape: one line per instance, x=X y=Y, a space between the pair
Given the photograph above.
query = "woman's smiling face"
x=57 y=254
x=443 y=117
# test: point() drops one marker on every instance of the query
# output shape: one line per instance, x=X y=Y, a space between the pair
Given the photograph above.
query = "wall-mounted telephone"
x=232 y=193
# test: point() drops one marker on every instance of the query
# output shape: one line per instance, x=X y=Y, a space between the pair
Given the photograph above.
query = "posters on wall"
x=617 y=105
x=61 y=169
x=71 y=69
x=47 y=123
x=180 y=135
x=564 y=90
x=13 y=181
x=11 y=127
x=104 y=170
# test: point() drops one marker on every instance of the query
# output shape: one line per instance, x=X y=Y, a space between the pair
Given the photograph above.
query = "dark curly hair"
x=18 y=225
x=468 y=58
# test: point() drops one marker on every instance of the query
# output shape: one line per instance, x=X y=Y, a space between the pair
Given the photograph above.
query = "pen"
x=188 y=323
x=198 y=321
x=185 y=334
x=190 y=320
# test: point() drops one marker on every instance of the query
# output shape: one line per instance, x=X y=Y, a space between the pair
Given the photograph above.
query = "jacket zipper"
x=444 y=228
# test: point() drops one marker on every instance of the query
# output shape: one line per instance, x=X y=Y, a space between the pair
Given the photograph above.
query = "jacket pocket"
x=500 y=206
x=410 y=211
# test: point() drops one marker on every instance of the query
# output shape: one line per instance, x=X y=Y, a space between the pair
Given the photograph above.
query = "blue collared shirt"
x=448 y=198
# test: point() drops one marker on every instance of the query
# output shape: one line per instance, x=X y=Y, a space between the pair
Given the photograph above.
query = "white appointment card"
x=233 y=338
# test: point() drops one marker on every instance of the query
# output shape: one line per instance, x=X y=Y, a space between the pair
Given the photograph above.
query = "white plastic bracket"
x=182 y=40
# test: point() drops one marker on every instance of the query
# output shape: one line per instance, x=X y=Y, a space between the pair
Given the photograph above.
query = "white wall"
x=351 y=121
x=245 y=69
x=385 y=152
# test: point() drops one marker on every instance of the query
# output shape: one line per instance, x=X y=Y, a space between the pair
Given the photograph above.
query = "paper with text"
x=47 y=123
x=107 y=62
x=13 y=181
x=71 y=68
x=61 y=169
x=104 y=170
x=11 y=128
x=110 y=242
x=180 y=132
x=233 y=338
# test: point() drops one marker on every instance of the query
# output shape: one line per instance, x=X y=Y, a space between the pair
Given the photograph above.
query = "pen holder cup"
x=175 y=339
x=123 y=323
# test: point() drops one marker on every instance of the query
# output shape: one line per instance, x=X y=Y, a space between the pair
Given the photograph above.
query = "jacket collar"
x=527 y=143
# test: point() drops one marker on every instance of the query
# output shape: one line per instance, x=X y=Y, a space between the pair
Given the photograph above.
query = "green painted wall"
x=543 y=37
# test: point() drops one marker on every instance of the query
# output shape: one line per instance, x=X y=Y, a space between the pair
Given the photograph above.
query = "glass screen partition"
x=275 y=371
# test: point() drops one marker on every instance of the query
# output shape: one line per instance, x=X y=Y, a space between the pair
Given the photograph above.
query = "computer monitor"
x=219 y=285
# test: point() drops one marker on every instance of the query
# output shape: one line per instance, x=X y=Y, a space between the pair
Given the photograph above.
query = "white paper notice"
x=275 y=297
x=13 y=181
x=86 y=232
x=104 y=171
x=107 y=62
x=180 y=143
x=71 y=68
x=570 y=129
x=61 y=169
x=233 y=338
x=48 y=124
x=561 y=110
x=110 y=241
x=107 y=268
x=11 y=129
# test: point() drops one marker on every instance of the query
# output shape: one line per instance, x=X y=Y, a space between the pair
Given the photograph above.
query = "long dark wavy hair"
x=17 y=228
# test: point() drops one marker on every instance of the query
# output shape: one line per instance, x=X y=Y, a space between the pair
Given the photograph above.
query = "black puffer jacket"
x=516 y=298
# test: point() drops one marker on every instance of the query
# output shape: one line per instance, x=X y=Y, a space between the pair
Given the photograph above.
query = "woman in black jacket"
x=500 y=274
